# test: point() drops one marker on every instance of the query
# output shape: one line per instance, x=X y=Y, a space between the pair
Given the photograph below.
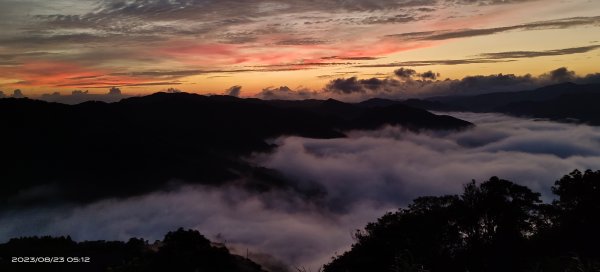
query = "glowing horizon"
x=144 y=46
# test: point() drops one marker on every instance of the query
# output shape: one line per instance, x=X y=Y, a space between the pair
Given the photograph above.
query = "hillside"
x=57 y=152
x=181 y=250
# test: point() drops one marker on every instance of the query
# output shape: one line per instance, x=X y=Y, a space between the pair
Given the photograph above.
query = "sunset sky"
x=208 y=46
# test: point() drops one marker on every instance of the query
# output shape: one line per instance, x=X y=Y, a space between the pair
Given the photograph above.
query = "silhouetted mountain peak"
x=559 y=86
x=331 y=100
x=378 y=102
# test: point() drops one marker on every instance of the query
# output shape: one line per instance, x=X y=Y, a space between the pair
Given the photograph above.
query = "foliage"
x=181 y=250
x=493 y=226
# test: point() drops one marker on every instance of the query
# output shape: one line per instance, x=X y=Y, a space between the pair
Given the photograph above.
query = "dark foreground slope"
x=494 y=226
x=93 y=150
x=179 y=251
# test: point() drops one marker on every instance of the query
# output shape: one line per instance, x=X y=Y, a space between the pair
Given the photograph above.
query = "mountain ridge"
x=94 y=150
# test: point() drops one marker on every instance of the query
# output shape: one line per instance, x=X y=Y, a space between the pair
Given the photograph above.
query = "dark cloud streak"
x=535 y=54
x=496 y=57
x=465 y=33
x=432 y=62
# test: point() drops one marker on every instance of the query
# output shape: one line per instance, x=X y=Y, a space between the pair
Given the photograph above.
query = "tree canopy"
x=496 y=225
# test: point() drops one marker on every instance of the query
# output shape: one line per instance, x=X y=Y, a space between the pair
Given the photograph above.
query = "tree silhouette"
x=493 y=226
x=578 y=208
x=181 y=250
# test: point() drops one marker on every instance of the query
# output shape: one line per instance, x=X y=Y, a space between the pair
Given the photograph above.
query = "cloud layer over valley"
x=357 y=179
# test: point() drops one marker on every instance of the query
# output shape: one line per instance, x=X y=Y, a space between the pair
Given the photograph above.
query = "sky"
x=362 y=177
x=257 y=46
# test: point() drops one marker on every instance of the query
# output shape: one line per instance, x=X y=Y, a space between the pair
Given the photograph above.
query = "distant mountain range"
x=561 y=102
x=92 y=150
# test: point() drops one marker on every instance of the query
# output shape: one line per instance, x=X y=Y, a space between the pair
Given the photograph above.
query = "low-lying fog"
x=364 y=175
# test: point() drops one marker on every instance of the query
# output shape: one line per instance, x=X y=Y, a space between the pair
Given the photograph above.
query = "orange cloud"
x=232 y=54
x=64 y=74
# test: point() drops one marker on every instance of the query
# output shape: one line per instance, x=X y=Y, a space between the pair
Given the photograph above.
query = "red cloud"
x=57 y=74
x=217 y=54
x=295 y=57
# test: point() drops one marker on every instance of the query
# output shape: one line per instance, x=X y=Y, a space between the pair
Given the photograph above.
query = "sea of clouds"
x=360 y=178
